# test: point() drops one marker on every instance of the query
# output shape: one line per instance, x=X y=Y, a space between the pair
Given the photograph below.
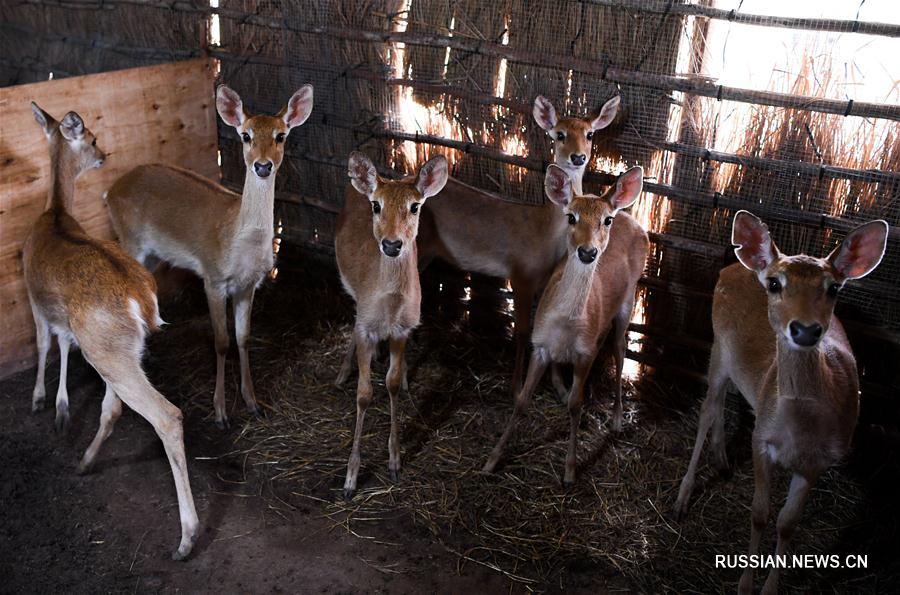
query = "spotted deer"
x=169 y=213
x=590 y=294
x=91 y=294
x=520 y=242
x=778 y=341
x=375 y=244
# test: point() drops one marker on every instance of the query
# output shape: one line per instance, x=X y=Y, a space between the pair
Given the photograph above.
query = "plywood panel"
x=159 y=113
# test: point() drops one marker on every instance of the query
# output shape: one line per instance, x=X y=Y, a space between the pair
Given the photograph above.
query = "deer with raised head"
x=375 y=244
x=520 y=242
x=590 y=294
x=778 y=341
x=91 y=294
x=173 y=214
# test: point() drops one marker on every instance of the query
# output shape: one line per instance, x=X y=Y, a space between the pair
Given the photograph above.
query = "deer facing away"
x=520 y=242
x=590 y=294
x=778 y=341
x=383 y=279
x=170 y=213
x=90 y=293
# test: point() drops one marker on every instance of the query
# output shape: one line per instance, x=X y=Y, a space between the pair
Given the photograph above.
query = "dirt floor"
x=268 y=491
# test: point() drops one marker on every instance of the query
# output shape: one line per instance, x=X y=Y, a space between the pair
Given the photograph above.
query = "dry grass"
x=612 y=528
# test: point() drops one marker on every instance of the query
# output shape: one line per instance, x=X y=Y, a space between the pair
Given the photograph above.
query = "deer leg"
x=137 y=392
x=576 y=400
x=759 y=515
x=559 y=383
x=243 y=305
x=394 y=383
x=523 y=297
x=535 y=370
x=365 y=348
x=711 y=411
x=62 y=394
x=38 y=395
x=347 y=364
x=788 y=519
x=216 y=301
x=112 y=409
x=620 y=342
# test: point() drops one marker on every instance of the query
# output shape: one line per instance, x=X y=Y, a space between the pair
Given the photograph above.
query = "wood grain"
x=161 y=113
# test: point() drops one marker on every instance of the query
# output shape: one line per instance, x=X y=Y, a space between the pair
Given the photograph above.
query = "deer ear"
x=230 y=107
x=362 y=173
x=607 y=114
x=544 y=113
x=72 y=126
x=43 y=118
x=558 y=185
x=298 y=107
x=861 y=251
x=755 y=248
x=432 y=176
x=628 y=188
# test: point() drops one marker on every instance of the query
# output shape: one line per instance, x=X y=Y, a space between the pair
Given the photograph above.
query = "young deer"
x=778 y=341
x=90 y=293
x=519 y=242
x=590 y=294
x=161 y=211
x=383 y=279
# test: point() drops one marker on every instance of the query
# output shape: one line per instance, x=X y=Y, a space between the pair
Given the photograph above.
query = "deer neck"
x=257 y=204
x=574 y=287
x=62 y=181
x=576 y=174
x=398 y=275
x=801 y=374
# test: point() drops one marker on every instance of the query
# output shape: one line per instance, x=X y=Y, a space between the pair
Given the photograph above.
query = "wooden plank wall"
x=162 y=113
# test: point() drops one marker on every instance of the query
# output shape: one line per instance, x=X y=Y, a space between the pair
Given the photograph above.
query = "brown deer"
x=590 y=294
x=519 y=242
x=90 y=293
x=778 y=341
x=165 y=212
x=383 y=279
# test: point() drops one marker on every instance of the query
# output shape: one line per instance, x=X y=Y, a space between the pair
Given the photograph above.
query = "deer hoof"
x=38 y=404
x=62 y=422
x=349 y=493
x=395 y=475
x=223 y=424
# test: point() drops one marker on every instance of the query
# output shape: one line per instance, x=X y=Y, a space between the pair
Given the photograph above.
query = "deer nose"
x=587 y=255
x=263 y=169
x=391 y=247
x=577 y=159
x=805 y=336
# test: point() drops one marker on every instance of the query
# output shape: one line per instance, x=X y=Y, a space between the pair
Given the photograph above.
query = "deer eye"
x=94 y=143
x=245 y=137
x=590 y=135
x=560 y=136
x=608 y=221
x=833 y=290
x=773 y=285
x=376 y=207
x=571 y=217
x=279 y=138
x=414 y=208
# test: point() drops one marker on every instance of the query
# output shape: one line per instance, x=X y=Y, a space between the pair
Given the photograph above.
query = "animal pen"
x=711 y=108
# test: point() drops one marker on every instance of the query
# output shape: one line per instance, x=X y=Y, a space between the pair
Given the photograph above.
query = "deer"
x=777 y=339
x=90 y=293
x=590 y=294
x=166 y=212
x=515 y=241
x=375 y=246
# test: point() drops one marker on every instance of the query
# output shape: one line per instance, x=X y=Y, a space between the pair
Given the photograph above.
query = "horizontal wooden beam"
x=759 y=20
